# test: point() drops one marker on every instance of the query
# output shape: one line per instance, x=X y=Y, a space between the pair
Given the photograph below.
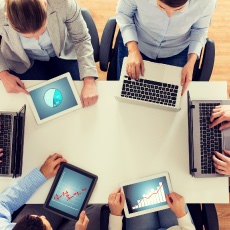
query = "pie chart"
x=53 y=97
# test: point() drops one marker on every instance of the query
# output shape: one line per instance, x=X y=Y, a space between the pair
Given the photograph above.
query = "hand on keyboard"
x=221 y=114
x=222 y=162
x=135 y=64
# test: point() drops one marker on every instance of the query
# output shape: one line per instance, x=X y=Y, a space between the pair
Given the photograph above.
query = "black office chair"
x=93 y=32
x=203 y=216
x=108 y=55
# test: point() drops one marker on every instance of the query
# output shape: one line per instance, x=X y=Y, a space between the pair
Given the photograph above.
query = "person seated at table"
x=18 y=194
x=221 y=115
x=175 y=218
x=171 y=32
x=41 y=39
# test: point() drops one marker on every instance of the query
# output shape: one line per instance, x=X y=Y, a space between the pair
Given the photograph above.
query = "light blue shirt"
x=17 y=195
x=41 y=49
x=159 y=36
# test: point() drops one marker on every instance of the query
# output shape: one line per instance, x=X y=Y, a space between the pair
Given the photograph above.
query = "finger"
x=219 y=167
x=86 y=102
x=215 y=115
x=137 y=71
x=142 y=68
x=217 y=161
x=225 y=126
x=185 y=86
x=82 y=101
x=217 y=121
x=86 y=221
x=133 y=72
x=58 y=161
x=221 y=156
x=117 y=198
x=1 y=150
x=183 y=75
x=20 y=83
x=227 y=152
x=1 y=154
x=55 y=156
x=82 y=217
x=117 y=190
x=122 y=199
x=221 y=171
x=20 y=89
x=168 y=200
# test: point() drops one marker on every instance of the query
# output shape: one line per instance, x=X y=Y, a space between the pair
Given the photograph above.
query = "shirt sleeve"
x=17 y=195
x=78 y=31
x=126 y=10
x=199 y=29
x=115 y=222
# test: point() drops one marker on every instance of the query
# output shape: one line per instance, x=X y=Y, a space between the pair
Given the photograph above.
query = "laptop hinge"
x=194 y=170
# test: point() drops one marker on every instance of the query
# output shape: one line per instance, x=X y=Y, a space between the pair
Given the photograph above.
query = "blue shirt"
x=17 y=195
x=41 y=49
x=159 y=36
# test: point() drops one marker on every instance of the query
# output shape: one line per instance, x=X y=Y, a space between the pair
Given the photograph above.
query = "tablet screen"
x=70 y=192
x=146 y=195
x=53 y=98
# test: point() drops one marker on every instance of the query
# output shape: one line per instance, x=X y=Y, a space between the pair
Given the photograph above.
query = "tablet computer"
x=53 y=98
x=70 y=191
x=146 y=195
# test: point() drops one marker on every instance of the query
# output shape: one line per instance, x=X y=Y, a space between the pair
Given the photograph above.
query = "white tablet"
x=53 y=98
x=146 y=195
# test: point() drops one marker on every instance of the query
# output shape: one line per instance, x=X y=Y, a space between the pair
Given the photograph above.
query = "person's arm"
x=80 y=36
x=18 y=194
x=116 y=205
x=177 y=205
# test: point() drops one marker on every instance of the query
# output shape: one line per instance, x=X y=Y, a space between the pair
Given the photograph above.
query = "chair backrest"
x=93 y=32
x=108 y=55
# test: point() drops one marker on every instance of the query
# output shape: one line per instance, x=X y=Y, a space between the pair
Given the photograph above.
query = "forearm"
x=18 y=194
x=192 y=59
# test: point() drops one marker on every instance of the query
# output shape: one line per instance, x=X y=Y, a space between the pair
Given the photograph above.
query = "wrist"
x=3 y=74
x=192 y=59
x=180 y=214
x=89 y=80
x=132 y=46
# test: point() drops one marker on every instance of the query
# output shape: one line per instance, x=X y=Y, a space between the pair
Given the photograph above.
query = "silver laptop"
x=11 y=141
x=158 y=88
x=203 y=141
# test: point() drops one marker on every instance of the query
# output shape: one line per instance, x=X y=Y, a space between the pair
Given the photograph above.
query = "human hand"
x=222 y=165
x=89 y=93
x=51 y=165
x=1 y=154
x=176 y=204
x=135 y=64
x=116 y=202
x=12 y=83
x=186 y=76
x=82 y=222
x=221 y=114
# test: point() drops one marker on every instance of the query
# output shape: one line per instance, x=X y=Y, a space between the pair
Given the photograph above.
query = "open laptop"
x=159 y=87
x=203 y=141
x=11 y=141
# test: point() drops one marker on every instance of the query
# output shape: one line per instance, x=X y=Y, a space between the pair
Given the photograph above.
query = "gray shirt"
x=41 y=49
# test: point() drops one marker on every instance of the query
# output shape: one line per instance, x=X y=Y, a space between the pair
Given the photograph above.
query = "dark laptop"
x=203 y=141
x=11 y=140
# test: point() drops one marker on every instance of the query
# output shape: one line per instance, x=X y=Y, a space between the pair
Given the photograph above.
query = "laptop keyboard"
x=5 y=134
x=210 y=139
x=150 y=91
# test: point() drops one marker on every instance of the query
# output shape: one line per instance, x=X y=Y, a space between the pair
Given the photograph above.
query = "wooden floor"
x=219 y=31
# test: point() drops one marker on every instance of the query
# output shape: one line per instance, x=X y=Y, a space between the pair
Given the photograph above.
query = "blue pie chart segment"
x=53 y=97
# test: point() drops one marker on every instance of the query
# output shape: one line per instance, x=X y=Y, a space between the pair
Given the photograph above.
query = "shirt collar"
x=154 y=2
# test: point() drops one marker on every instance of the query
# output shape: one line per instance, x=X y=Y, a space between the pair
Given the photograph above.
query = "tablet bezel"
x=74 y=91
x=126 y=210
x=54 y=185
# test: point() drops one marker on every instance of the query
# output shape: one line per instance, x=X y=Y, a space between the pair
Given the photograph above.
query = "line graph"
x=153 y=197
x=67 y=195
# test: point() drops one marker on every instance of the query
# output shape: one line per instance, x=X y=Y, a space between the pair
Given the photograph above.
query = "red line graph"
x=151 y=194
x=67 y=195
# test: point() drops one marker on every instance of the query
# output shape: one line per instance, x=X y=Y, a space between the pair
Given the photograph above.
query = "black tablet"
x=70 y=191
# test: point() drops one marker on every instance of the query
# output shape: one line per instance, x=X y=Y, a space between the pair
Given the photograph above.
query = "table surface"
x=119 y=142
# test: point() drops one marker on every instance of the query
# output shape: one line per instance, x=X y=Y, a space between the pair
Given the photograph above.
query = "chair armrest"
x=209 y=216
x=107 y=43
x=208 y=61
x=93 y=32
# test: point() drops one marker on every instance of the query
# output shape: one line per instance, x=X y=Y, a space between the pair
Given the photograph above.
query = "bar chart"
x=154 y=197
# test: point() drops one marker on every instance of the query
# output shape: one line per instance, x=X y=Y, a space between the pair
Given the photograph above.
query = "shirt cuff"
x=195 y=47
x=115 y=222
x=185 y=221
